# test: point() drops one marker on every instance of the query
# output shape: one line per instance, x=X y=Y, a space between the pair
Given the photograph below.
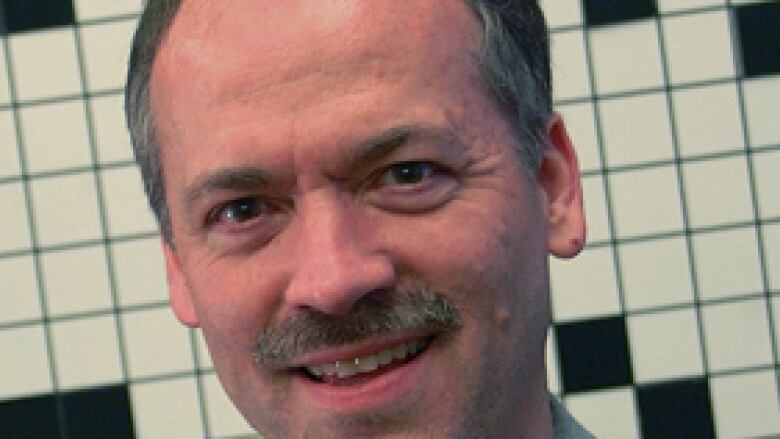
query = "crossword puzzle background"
x=666 y=326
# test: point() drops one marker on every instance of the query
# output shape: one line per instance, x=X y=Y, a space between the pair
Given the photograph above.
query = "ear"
x=559 y=177
x=181 y=299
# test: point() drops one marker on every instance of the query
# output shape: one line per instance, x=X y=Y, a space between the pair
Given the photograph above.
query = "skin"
x=302 y=97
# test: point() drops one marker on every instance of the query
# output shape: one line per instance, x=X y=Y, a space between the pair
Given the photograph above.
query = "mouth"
x=357 y=369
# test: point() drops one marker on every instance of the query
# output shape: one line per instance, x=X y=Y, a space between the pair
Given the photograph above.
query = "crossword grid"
x=673 y=118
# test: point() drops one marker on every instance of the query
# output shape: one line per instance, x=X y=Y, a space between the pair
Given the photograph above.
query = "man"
x=357 y=200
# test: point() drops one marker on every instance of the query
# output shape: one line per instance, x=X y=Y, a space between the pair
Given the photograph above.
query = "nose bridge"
x=336 y=264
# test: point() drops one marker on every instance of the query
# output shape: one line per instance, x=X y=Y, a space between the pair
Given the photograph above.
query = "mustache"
x=409 y=306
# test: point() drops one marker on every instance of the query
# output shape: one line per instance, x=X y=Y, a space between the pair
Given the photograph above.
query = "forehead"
x=236 y=45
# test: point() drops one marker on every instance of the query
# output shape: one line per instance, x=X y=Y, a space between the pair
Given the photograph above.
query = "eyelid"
x=429 y=193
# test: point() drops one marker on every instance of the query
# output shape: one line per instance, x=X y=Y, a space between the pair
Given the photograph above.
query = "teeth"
x=385 y=357
x=369 y=363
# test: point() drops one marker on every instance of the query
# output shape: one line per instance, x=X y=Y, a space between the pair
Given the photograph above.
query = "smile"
x=347 y=370
x=366 y=364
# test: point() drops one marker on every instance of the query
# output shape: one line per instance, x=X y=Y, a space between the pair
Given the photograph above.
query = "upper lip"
x=351 y=351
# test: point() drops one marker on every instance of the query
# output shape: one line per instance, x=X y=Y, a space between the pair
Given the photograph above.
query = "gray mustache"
x=410 y=306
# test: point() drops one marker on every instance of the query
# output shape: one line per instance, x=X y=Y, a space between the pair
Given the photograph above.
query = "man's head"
x=362 y=200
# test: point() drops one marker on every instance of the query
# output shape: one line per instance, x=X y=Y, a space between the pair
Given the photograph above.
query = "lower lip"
x=374 y=391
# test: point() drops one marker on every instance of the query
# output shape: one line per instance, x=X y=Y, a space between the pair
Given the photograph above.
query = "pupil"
x=411 y=173
x=243 y=210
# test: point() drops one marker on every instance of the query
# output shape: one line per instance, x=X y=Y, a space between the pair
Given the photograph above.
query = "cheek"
x=234 y=298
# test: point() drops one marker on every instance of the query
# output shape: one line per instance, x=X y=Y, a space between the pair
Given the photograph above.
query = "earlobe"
x=559 y=177
x=181 y=299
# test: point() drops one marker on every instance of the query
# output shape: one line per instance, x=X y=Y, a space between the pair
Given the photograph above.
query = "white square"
x=596 y=216
x=90 y=9
x=36 y=55
x=106 y=53
x=111 y=137
x=156 y=343
x=665 y=345
x=87 y=352
x=581 y=125
x=562 y=12
x=19 y=299
x=766 y=170
x=167 y=409
x=746 y=405
x=9 y=150
x=569 y=65
x=127 y=210
x=737 y=335
x=771 y=234
x=727 y=263
x=551 y=362
x=636 y=129
x=698 y=46
x=718 y=192
x=76 y=280
x=66 y=209
x=24 y=369
x=646 y=201
x=5 y=95
x=585 y=286
x=16 y=233
x=606 y=413
x=55 y=136
x=703 y=130
x=224 y=418
x=140 y=272
x=681 y=5
x=626 y=57
x=762 y=104
x=655 y=273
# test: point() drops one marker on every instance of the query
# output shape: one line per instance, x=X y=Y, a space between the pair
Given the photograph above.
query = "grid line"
x=679 y=171
x=29 y=211
x=754 y=192
x=104 y=229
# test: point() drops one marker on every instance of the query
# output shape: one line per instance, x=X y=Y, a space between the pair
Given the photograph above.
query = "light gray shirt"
x=564 y=425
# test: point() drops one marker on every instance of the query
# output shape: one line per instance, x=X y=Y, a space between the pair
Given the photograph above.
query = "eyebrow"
x=375 y=148
x=225 y=179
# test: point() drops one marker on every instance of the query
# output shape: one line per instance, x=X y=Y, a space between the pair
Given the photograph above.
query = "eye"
x=407 y=173
x=238 y=211
x=413 y=186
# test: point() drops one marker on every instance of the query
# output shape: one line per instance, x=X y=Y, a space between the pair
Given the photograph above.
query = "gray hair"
x=514 y=60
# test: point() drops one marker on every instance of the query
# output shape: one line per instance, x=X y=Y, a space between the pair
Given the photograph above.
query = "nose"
x=337 y=263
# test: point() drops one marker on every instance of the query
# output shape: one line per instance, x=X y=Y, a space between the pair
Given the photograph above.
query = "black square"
x=759 y=36
x=678 y=409
x=603 y=12
x=593 y=354
x=28 y=15
x=29 y=418
x=98 y=413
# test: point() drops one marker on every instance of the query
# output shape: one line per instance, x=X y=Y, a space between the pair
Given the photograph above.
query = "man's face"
x=353 y=232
